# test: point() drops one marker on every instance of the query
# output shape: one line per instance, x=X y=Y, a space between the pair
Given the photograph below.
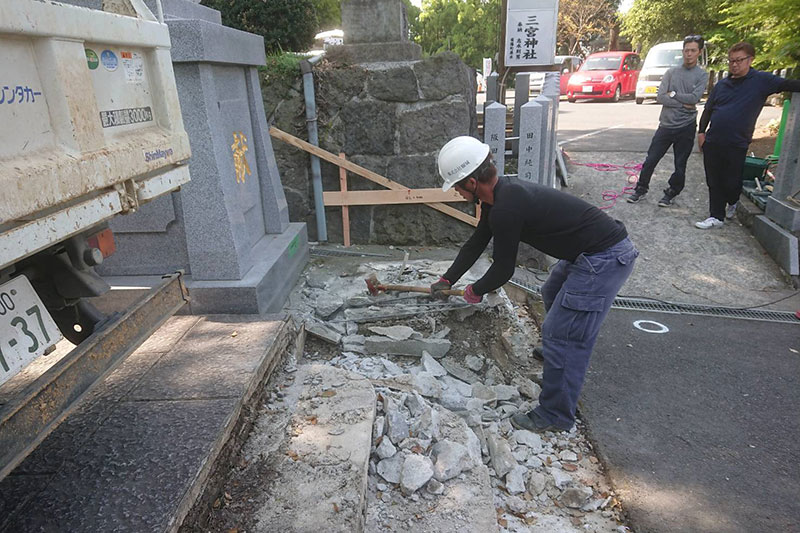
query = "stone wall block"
x=426 y=128
x=441 y=76
x=415 y=171
x=334 y=87
x=369 y=127
x=395 y=84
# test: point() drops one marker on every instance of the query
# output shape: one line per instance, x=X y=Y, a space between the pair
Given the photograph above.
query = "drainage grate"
x=654 y=306
x=343 y=253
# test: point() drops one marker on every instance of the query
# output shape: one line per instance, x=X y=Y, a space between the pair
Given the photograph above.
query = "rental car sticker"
x=109 y=60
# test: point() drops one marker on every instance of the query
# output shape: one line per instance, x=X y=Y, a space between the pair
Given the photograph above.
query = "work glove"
x=441 y=285
x=471 y=297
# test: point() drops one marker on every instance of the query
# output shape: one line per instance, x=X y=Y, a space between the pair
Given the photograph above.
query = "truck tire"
x=639 y=101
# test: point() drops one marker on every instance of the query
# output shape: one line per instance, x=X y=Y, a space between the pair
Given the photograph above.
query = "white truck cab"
x=660 y=58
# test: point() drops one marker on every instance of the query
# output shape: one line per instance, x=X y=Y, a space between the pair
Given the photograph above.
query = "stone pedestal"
x=376 y=31
x=228 y=229
x=778 y=231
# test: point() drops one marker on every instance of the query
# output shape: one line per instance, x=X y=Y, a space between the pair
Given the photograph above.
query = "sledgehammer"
x=374 y=287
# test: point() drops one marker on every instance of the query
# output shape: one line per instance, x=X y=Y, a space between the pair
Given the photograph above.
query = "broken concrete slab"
x=390 y=469
x=451 y=458
x=515 y=480
x=321 y=331
x=502 y=459
x=398 y=333
x=432 y=366
x=322 y=477
x=437 y=348
x=417 y=470
x=327 y=304
x=460 y=371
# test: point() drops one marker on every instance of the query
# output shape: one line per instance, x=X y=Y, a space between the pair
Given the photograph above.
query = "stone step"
x=139 y=450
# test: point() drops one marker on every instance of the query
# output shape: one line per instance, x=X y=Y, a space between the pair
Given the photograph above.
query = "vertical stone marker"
x=522 y=85
x=375 y=31
x=530 y=142
x=228 y=229
x=494 y=133
x=544 y=126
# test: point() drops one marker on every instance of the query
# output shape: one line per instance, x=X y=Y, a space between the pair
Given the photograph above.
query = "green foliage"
x=470 y=28
x=774 y=24
x=650 y=22
x=284 y=24
x=329 y=14
x=412 y=13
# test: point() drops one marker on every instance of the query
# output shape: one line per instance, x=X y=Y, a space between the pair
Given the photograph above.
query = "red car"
x=606 y=75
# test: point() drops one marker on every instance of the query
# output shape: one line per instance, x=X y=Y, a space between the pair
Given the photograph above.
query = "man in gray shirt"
x=679 y=92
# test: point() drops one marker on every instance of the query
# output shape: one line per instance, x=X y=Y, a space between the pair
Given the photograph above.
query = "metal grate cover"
x=655 y=306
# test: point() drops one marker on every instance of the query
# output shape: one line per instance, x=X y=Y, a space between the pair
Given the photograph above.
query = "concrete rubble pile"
x=444 y=455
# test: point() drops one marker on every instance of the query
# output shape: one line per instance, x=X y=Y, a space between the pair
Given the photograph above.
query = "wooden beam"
x=363 y=172
x=345 y=209
x=391 y=196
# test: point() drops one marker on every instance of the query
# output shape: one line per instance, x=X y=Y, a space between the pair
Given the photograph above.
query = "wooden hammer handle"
x=426 y=290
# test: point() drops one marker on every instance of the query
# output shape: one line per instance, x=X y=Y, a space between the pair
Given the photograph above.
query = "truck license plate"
x=651 y=90
x=26 y=328
x=587 y=88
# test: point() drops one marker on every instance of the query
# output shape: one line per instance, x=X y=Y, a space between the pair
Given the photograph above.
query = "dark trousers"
x=577 y=296
x=724 y=166
x=681 y=140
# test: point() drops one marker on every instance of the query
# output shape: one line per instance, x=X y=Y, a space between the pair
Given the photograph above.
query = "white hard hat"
x=459 y=158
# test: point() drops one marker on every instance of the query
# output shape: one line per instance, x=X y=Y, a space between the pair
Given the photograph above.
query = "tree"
x=470 y=28
x=329 y=14
x=772 y=25
x=286 y=25
x=581 y=21
x=650 y=22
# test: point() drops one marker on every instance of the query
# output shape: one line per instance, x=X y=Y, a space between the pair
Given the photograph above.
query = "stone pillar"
x=542 y=173
x=228 y=229
x=492 y=88
x=531 y=126
x=494 y=133
x=521 y=95
x=376 y=31
x=551 y=88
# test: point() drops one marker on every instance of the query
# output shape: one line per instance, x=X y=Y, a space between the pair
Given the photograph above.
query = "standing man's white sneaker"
x=709 y=223
x=730 y=212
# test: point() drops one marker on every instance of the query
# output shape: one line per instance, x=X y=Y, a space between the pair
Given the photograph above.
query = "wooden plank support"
x=391 y=196
x=345 y=208
x=364 y=173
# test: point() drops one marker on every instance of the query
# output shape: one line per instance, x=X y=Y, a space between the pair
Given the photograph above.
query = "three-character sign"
x=18 y=94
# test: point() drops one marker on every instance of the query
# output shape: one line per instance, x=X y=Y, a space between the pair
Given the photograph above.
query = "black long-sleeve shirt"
x=735 y=103
x=556 y=223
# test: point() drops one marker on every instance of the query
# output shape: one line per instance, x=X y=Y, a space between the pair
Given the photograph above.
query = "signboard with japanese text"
x=530 y=33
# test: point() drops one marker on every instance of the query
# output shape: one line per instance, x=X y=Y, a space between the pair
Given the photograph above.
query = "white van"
x=660 y=58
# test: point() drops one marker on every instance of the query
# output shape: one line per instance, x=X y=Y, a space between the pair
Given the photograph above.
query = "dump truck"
x=90 y=129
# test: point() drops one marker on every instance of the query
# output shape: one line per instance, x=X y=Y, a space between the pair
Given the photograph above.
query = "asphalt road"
x=698 y=425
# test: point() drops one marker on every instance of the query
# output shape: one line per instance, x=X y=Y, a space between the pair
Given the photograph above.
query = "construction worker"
x=595 y=258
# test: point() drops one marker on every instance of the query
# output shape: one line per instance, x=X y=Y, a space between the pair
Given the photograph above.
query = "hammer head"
x=373 y=285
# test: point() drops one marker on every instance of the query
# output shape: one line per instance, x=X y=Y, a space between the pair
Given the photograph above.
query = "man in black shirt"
x=595 y=258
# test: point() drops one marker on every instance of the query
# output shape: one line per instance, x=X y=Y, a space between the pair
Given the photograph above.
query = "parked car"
x=568 y=65
x=660 y=58
x=605 y=75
